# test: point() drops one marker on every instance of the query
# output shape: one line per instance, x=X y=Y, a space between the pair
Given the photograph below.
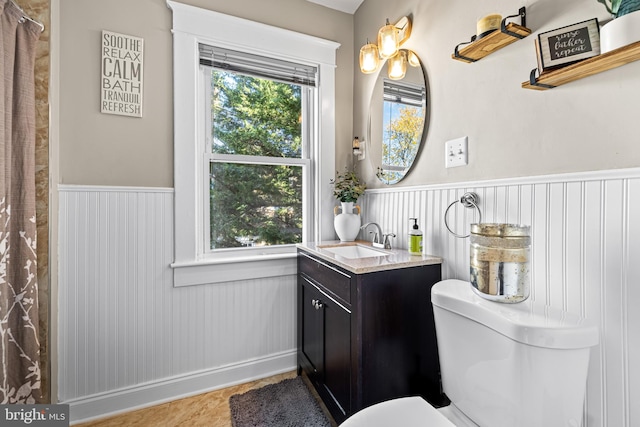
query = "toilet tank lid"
x=525 y=322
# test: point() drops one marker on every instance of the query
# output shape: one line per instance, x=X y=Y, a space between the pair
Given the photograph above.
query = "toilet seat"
x=405 y=412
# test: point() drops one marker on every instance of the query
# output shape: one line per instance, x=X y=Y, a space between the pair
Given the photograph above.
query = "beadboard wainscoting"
x=127 y=337
x=585 y=259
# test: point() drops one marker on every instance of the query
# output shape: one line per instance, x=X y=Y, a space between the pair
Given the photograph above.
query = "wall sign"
x=122 y=69
x=569 y=44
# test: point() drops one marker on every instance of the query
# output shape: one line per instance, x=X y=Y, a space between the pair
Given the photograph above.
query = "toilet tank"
x=506 y=365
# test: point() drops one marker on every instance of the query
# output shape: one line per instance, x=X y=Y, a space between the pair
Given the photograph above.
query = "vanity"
x=365 y=325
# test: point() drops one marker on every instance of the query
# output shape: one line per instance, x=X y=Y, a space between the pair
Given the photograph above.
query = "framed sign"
x=122 y=70
x=569 y=44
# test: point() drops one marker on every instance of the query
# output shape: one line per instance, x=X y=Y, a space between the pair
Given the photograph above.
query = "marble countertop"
x=396 y=258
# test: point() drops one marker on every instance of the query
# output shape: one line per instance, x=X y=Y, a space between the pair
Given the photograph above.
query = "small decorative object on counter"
x=500 y=268
x=346 y=223
x=415 y=238
x=347 y=189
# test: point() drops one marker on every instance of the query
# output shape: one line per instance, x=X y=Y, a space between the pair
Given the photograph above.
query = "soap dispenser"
x=415 y=238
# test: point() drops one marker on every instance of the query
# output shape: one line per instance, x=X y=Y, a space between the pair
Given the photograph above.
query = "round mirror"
x=397 y=122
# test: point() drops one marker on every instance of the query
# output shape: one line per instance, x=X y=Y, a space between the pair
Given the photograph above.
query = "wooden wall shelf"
x=508 y=33
x=588 y=67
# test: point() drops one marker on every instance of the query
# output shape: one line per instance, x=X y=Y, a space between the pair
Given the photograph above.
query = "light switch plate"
x=455 y=153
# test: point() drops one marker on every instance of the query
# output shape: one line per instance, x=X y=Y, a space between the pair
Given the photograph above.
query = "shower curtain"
x=19 y=343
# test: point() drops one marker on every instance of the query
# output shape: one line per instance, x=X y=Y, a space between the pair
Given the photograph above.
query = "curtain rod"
x=25 y=16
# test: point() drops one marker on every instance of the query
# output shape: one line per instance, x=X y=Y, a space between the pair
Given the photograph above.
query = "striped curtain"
x=19 y=343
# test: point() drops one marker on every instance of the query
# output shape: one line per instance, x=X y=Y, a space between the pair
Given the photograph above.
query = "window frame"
x=191 y=26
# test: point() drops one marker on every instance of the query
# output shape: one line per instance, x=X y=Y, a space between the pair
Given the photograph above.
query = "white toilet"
x=503 y=365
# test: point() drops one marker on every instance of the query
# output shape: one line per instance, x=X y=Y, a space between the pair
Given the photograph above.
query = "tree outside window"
x=255 y=194
x=402 y=126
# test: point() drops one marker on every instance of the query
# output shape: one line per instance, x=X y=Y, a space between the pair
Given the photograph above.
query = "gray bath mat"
x=288 y=403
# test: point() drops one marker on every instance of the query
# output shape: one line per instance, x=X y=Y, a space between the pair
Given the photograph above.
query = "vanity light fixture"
x=369 y=58
x=397 y=66
x=388 y=41
x=412 y=58
x=390 y=38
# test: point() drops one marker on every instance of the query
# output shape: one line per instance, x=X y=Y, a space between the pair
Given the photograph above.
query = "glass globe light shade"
x=397 y=66
x=369 y=58
x=413 y=59
x=388 y=43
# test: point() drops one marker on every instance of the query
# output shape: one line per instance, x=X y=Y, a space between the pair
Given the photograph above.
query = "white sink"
x=355 y=251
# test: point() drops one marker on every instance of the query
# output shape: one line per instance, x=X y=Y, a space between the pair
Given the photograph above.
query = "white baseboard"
x=157 y=392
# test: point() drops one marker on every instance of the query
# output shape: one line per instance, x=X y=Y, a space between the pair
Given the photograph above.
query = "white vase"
x=620 y=32
x=346 y=223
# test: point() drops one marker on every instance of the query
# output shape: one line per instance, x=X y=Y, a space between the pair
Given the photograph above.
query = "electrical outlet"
x=455 y=152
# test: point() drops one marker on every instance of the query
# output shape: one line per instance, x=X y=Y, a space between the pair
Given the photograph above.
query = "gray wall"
x=584 y=126
x=103 y=149
x=587 y=125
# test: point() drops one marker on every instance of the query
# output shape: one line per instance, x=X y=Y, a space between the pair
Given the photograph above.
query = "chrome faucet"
x=375 y=241
x=377 y=235
x=385 y=240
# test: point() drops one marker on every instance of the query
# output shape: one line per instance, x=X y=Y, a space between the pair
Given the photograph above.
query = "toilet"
x=503 y=365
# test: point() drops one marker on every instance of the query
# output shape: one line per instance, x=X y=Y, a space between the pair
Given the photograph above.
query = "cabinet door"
x=337 y=354
x=312 y=327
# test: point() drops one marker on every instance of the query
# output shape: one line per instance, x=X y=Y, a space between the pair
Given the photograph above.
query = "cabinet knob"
x=316 y=303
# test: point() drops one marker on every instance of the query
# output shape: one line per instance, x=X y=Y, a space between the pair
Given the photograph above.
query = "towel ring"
x=468 y=200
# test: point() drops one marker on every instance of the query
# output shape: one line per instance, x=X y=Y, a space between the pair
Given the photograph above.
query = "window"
x=249 y=182
x=259 y=125
x=402 y=122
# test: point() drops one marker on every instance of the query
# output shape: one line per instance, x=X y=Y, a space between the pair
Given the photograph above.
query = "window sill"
x=211 y=271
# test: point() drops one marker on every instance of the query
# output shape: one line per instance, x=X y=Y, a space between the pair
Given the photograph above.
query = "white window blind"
x=404 y=93
x=257 y=66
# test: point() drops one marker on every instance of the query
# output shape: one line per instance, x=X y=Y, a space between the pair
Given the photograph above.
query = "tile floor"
x=204 y=410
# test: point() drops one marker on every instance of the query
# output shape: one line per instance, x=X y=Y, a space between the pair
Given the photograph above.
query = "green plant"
x=347 y=187
x=620 y=7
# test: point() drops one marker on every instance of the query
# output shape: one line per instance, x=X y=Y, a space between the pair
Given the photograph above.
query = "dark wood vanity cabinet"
x=366 y=338
x=326 y=344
